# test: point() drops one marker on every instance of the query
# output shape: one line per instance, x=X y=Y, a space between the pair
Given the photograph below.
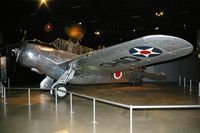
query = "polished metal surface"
x=44 y=59
x=100 y=66
x=43 y=116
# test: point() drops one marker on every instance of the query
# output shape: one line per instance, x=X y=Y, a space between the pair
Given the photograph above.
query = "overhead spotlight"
x=43 y=2
x=48 y=27
x=75 y=7
x=134 y=30
x=157 y=28
x=79 y=23
x=97 y=33
x=156 y=14
x=184 y=26
x=159 y=14
x=75 y=31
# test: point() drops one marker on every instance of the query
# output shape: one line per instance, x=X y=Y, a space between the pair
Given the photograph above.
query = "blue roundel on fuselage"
x=145 y=51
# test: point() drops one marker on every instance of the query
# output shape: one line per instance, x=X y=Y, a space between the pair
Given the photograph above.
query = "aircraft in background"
x=116 y=64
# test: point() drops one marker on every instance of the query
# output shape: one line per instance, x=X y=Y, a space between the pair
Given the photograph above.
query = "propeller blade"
x=16 y=52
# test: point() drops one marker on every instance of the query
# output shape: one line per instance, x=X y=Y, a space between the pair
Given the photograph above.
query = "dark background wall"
x=188 y=67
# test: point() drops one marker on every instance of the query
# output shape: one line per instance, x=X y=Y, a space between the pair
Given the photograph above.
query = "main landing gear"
x=61 y=90
x=60 y=84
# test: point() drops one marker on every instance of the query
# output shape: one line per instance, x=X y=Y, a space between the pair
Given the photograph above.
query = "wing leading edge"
x=135 y=53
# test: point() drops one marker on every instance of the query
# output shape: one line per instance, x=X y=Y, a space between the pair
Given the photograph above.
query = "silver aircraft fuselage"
x=45 y=60
x=119 y=63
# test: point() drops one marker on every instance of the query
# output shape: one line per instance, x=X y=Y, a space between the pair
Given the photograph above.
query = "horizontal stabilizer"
x=154 y=76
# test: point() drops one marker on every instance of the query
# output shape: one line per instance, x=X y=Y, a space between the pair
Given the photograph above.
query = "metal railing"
x=94 y=100
x=190 y=83
x=130 y=107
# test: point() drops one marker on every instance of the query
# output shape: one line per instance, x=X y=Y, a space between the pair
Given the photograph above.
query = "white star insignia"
x=145 y=52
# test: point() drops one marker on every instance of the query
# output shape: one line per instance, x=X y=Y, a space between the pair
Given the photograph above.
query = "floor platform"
x=43 y=116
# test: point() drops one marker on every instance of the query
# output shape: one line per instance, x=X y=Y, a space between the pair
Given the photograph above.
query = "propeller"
x=16 y=51
x=11 y=51
x=12 y=48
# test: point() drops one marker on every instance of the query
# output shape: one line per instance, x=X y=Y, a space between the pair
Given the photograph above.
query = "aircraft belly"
x=104 y=78
x=97 y=79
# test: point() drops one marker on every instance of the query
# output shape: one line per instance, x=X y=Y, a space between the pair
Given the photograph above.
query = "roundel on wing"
x=145 y=51
x=117 y=74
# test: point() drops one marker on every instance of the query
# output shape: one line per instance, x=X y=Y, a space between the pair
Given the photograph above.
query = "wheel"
x=138 y=82
x=61 y=91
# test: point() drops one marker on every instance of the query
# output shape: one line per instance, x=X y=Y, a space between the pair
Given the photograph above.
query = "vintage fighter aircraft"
x=118 y=63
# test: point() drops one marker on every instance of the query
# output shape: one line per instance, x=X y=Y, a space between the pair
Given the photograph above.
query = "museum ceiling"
x=104 y=22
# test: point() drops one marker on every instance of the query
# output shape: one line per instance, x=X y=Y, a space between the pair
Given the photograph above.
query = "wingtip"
x=171 y=44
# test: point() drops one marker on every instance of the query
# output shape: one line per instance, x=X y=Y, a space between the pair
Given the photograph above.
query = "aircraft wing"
x=135 y=53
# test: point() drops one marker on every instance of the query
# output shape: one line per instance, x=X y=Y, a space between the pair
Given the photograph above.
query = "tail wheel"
x=61 y=91
x=138 y=82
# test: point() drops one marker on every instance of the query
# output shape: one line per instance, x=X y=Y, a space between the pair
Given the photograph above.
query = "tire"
x=60 y=94
x=139 y=83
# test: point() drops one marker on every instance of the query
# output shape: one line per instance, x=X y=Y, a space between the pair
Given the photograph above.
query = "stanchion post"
x=94 y=112
x=4 y=90
x=131 y=118
x=8 y=82
x=56 y=96
x=199 y=90
x=29 y=97
x=190 y=85
x=184 y=84
x=2 y=94
x=2 y=87
x=71 y=106
x=179 y=80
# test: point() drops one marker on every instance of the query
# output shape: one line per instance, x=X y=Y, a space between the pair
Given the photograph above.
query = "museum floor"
x=44 y=117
